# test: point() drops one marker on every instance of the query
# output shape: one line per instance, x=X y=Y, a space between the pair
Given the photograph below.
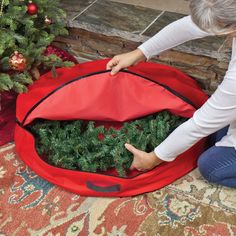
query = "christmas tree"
x=26 y=29
x=85 y=146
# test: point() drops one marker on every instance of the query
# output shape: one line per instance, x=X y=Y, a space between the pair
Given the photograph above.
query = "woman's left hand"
x=143 y=161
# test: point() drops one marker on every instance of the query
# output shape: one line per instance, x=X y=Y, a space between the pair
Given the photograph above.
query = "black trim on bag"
x=109 y=189
x=177 y=94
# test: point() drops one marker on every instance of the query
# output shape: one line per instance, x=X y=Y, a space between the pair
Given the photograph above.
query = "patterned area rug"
x=188 y=207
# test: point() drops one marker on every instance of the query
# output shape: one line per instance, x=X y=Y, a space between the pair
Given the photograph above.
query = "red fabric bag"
x=87 y=91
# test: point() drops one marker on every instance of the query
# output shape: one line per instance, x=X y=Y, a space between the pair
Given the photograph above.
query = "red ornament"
x=17 y=61
x=32 y=8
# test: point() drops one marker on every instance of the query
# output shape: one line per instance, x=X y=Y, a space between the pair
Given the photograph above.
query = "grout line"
x=84 y=10
x=223 y=44
x=152 y=22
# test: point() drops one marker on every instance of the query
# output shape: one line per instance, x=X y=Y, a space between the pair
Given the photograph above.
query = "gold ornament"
x=47 y=21
x=17 y=61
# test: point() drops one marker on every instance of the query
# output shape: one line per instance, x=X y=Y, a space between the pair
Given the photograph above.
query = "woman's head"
x=215 y=16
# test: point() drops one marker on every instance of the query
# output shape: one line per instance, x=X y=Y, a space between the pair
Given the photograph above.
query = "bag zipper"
x=177 y=94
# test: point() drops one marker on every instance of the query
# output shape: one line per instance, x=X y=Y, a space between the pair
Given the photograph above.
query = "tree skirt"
x=189 y=206
x=7 y=116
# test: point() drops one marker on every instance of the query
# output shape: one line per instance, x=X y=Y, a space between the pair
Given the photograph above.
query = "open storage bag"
x=88 y=92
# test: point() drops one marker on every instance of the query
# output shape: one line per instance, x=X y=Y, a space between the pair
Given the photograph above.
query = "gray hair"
x=214 y=16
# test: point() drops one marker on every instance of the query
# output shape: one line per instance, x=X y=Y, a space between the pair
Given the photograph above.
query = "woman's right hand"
x=125 y=60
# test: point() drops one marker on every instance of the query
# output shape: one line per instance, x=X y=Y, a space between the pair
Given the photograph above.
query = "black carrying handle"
x=108 y=189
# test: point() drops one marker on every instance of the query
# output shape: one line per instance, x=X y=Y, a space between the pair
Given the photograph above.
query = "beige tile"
x=178 y=6
x=107 y=16
x=73 y=8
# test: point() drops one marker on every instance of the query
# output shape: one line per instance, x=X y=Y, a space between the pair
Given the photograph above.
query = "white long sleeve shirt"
x=218 y=111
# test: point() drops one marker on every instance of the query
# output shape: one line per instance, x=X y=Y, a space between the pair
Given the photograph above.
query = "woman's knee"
x=217 y=163
x=203 y=165
x=206 y=166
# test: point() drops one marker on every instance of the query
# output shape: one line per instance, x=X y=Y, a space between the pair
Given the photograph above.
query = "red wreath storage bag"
x=88 y=92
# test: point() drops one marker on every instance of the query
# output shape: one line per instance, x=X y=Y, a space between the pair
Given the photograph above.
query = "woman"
x=217 y=164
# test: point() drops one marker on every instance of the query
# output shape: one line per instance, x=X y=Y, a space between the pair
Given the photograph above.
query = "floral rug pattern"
x=188 y=207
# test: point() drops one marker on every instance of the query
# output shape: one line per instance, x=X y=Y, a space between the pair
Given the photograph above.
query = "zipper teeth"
x=177 y=94
x=100 y=72
x=55 y=90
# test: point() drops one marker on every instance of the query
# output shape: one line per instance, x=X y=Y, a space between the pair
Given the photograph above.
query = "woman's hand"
x=125 y=60
x=143 y=161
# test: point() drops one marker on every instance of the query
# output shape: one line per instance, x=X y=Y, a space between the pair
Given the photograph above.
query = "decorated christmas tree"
x=26 y=29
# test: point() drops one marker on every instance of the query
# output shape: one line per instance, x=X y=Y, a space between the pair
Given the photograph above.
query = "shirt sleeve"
x=172 y=35
x=218 y=112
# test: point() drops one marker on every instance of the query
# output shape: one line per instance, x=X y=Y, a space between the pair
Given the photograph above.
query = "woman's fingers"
x=115 y=69
x=136 y=167
x=136 y=164
x=143 y=161
x=125 y=60
x=132 y=149
x=132 y=167
x=114 y=65
x=113 y=62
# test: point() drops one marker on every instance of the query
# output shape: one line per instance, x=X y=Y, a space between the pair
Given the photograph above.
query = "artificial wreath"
x=89 y=146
